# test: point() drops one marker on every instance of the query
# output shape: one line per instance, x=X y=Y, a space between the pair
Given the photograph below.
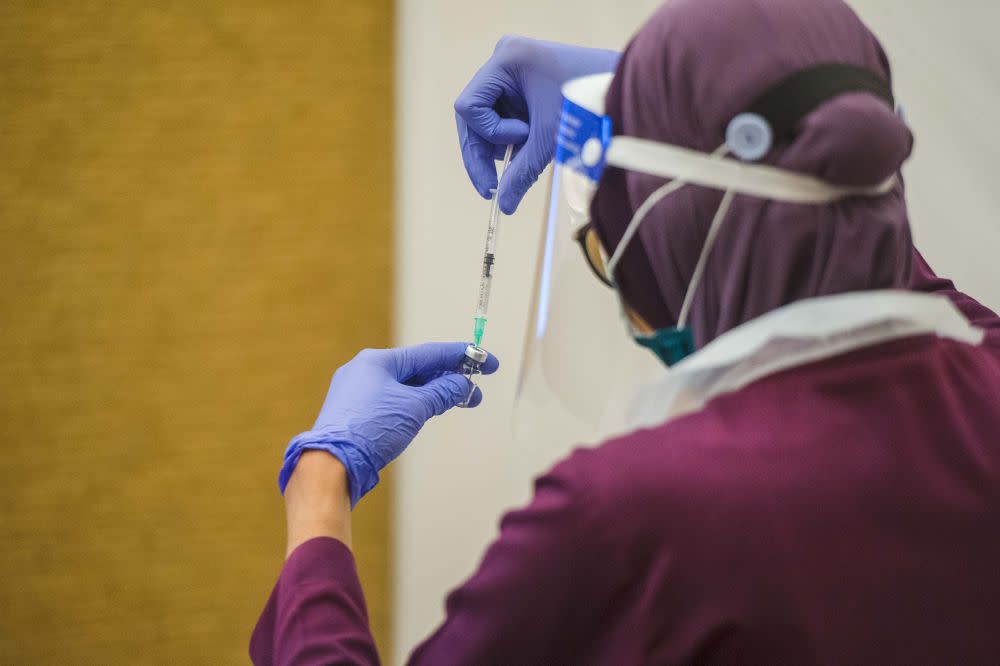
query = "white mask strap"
x=706 y=250
x=633 y=225
x=643 y=210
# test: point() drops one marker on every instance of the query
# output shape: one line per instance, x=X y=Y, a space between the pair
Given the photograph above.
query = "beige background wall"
x=195 y=223
x=467 y=468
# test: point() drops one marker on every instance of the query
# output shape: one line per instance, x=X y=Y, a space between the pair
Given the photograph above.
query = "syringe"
x=486 y=281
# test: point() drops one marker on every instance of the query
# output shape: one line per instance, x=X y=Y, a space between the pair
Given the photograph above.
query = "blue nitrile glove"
x=377 y=404
x=516 y=97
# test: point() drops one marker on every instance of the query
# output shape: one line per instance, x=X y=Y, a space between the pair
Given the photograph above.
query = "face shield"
x=584 y=359
x=580 y=369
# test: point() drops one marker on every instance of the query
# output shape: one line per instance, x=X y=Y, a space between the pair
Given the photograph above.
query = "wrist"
x=319 y=475
x=317 y=501
x=348 y=448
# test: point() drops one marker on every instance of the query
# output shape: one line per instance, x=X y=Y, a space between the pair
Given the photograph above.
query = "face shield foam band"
x=721 y=173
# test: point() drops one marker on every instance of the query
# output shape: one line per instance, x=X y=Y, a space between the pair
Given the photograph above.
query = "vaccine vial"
x=471 y=366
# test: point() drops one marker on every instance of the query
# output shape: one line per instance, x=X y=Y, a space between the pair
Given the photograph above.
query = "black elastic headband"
x=791 y=100
x=774 y=115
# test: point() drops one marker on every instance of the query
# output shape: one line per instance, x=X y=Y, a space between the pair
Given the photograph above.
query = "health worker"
x=815 y=479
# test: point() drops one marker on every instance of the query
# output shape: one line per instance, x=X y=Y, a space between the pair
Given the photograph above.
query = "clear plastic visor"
x=580 y=369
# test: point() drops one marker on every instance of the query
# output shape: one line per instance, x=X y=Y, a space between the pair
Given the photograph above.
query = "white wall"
x=946 y=62
x=460 y=474
x=458 y=477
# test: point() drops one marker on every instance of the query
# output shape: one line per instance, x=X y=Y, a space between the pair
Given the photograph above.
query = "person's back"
x=838 y=511
x=846 y=511
x=832 y=498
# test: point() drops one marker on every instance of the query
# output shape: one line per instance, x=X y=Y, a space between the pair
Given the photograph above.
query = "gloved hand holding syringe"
x=474 y=354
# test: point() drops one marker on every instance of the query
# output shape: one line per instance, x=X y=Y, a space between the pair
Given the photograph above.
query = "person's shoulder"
x=672 y=493
x=689 y=469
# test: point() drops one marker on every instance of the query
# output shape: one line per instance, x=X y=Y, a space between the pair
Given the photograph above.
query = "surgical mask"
x=586 y=146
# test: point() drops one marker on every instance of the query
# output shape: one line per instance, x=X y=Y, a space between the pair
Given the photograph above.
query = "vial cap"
x=477 y=354
x=749 y=136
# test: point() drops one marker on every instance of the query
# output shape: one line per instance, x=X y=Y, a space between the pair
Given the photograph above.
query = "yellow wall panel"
x=195 y=232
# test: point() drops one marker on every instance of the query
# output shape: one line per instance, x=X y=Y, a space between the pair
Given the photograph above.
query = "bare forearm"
x=317 y=502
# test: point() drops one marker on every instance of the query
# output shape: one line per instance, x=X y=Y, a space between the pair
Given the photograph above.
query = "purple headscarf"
x=694 y=66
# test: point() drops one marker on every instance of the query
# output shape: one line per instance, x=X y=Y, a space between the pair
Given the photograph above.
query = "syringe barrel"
x=483 y=301
x=492 y=231
x=489 y=254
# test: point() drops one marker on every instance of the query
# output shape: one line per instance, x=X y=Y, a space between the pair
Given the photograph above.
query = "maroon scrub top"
x=841 y=512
